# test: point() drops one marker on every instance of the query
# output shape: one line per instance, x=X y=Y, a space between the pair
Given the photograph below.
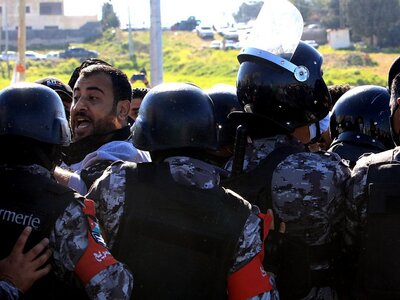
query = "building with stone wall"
x=46 y=24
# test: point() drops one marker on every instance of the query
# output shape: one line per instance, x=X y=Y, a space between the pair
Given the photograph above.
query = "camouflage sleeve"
x=69 y=240
x=8 y=291
x=356 y=202
x=94 y=171
x=108 y=192
x=249 y=246
x=250 y=243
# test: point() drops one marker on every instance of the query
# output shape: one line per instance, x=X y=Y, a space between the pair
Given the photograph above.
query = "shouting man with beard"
x=99 y=124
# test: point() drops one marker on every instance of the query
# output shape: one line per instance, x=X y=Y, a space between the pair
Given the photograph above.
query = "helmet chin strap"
x=315 y=133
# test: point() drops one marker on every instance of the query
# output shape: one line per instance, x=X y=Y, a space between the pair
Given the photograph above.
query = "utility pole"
x=156 y=56
x=19 y=72
x=343 y=13
x=5 y=26
x=130 y=41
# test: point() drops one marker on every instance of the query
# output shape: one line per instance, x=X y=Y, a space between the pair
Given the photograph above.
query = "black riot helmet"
x=175 y=116
x=33 y=111
x=361 y=116
x=225 y=101
x=393 y=71
x=288 y=90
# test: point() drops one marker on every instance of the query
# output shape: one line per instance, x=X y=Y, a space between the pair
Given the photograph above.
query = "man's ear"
x=398 y=101
x=123 y=108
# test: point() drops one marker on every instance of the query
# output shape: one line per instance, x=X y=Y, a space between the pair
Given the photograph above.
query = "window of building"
x=50 y=27
x=1 y=9
x=28 y=9
x=28 y=27
x=50 y=8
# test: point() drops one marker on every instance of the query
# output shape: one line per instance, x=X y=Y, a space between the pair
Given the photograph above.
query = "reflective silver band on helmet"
x=301 y=73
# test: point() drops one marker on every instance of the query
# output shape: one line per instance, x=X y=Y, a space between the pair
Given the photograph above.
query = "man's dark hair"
x=139 y=92
x=337 y=90
x=394 y=92
x=86 y=63
x=122 y=88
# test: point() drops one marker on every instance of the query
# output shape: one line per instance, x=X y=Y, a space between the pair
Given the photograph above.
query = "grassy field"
x=187 y=58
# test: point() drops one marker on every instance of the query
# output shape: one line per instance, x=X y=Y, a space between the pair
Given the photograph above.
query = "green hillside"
x=188 y=58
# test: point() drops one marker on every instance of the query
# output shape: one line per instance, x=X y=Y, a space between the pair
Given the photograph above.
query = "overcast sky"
x=172 y=11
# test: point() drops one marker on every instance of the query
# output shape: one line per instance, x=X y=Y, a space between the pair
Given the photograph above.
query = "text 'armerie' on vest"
x=19 y=218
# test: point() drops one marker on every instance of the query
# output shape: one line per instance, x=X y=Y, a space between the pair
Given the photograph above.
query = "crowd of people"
x=280 y=187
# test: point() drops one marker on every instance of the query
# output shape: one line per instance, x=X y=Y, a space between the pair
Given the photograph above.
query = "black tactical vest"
x=380 y=254
x=36 y=201
x=255 y=185
x=178 y=240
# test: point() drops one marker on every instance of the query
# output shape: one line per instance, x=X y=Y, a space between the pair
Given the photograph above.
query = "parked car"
x=8 y=56
x=78 y=52
x=53 y=55
x=230 y=44
x=230 y=34
x=216 y=44
x=34 y=55
x=312 y=43
x=205 y=32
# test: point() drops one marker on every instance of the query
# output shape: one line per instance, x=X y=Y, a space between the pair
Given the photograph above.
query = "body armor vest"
x=380 y=263
x=179 y=240
x=36 y=201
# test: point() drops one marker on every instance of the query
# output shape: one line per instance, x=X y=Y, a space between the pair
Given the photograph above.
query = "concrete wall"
x=339 y=38
x=53 y=37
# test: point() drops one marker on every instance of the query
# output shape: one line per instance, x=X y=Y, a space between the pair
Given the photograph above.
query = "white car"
x=205 y=31
x=230 y=44
x=230 y=34
x=34 y=55
x=8 y=56
x=53 y=55
x=216 y=44
x=312 y=43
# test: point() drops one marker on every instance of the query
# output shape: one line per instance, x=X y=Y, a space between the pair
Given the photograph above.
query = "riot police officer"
x=283 y=92
x=170 y=221
x=33 y=127
x=360 y=123
x=373 y=214
x=225 y=101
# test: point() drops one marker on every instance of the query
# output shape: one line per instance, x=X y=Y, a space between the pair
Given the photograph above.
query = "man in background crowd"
x=137 y=98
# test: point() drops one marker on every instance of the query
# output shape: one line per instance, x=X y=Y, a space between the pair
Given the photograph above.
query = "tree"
x=109 y=18
x=248 y=11
x=374 y=20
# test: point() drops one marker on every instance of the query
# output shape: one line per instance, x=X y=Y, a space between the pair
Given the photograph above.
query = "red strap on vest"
x=96 y=256
x=252 y=279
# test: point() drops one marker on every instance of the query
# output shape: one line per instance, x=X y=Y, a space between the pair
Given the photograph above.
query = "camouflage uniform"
x=69 y=241
x=109 y=194
x=308 y=194
x=357 y=203
x=358 y=196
